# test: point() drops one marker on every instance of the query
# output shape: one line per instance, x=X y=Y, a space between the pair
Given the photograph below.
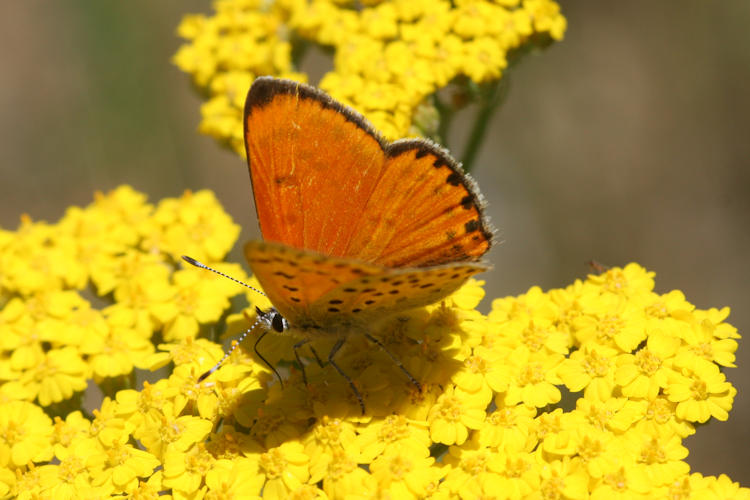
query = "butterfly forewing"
x=312 y=167
x=325 y=181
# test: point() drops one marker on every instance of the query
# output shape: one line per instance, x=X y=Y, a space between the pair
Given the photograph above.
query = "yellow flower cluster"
x=581 y=392
x=53 y=337
x=388 y=56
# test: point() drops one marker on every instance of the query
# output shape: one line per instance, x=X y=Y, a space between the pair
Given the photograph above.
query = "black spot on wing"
x=472 y=225
x=454 y=179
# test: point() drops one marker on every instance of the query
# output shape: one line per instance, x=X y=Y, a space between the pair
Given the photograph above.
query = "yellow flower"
x=558 y=433
x=704 y=340
x=67 y=431
x=389 y=57
x=470 y=467
x=345 y=479
x=109 y=273
x=546 y=16
x=564 y=478
x=286 y=468
x=723 y=487
x=621 y=483
x=33 y=482
x=115 y=352
x=701 y=392
x=329 y=435
x=184 y=470
x=79 y=463
x=25 y=432
x=379 y=21
x=535 y=379
x=237 y=478
x=483 y=59
x=147 y=295
x=122 y=214
x=630 y=281
x=482 y=374
x=590 y=368
x=393 y=432
x=645 y=373
x=58 y=374
x=510 y=429
x=193 y=225
x=201 y=298
x=41 y=258
x=614 y=414
x=148 y=403
x=453 y=415
x=402 y=475
x=172 y=430
x=660 y=419
x=658 y=461
x=149 y=489
x=610 y=320
x=489 y=419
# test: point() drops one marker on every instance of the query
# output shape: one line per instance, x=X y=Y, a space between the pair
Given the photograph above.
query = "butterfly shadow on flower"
x=422 y=339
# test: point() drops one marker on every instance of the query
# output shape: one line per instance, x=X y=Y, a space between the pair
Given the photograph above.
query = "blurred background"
x=628 y=141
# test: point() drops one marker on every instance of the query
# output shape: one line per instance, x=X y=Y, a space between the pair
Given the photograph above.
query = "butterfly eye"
x=277 y=322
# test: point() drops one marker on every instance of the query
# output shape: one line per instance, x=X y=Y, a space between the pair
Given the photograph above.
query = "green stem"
x=110 y=385
x=490 y=99
x=446 y=117
x=299 y=49
x=438 y=450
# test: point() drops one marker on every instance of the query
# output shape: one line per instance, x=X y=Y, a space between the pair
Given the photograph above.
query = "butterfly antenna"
x=194 y=262
x=230 y=351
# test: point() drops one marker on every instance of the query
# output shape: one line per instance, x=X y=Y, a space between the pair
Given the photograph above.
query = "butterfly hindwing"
x=425 y=211
x=294 y=279
x=308 y=288
x=370 y=298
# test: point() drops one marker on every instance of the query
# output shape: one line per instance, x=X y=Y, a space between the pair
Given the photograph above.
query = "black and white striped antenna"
x=271 y=319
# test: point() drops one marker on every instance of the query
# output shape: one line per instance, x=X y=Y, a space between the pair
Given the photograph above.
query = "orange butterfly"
x=355 y=228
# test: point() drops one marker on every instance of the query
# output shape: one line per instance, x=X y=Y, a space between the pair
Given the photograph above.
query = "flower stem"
x=490 y=98
x=446 y=116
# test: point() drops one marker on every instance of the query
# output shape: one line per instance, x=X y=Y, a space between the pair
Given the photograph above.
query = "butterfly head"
x=272 y=319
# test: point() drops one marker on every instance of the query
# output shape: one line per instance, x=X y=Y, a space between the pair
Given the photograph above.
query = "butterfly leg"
x=395 y=360
x=356 y=392
x=317 y=358
x=255 y=348
x=299 y=361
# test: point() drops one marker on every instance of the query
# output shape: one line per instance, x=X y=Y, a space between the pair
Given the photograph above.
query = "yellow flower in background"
x=388 y=58
x=26 y=431
x=639 y=370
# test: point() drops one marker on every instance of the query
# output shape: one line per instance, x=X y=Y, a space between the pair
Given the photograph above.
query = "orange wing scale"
x=315 y=290
x=293 y=146
x=422 y=212
x=406 y=203
x=293 y=279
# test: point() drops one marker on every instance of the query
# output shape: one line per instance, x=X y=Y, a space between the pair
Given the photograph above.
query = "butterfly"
x=354 y=228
